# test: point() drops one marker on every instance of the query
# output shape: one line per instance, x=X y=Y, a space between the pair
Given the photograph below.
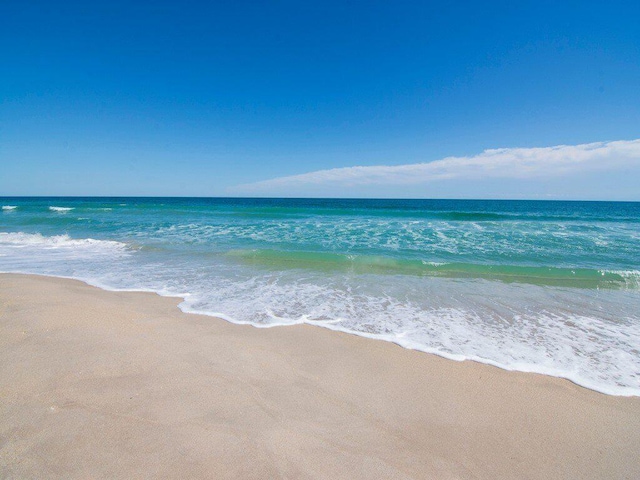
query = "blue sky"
x=245 y=98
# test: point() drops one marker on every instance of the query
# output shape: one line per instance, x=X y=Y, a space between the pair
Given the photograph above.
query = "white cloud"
x=516 y=163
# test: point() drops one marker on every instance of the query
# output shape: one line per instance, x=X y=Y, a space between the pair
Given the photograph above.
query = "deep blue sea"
x=548 y=287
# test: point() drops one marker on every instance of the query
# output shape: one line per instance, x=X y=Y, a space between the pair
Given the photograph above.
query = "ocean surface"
x=547 y=287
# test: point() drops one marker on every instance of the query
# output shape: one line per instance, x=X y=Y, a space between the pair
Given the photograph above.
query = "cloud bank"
x=504 y=163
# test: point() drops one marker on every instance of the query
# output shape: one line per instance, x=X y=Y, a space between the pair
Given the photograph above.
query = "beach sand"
x=97 y=384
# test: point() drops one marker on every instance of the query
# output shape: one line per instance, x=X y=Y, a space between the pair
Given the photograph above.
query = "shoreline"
x=181 y=298
x=115 y=384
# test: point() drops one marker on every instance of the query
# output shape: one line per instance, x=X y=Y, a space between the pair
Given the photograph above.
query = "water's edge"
x=183 y=307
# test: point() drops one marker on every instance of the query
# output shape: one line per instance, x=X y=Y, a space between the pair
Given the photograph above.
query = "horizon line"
x=326 y=198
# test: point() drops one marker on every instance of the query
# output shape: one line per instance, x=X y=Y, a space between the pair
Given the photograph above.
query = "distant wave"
x=8 y=208
x=277 y=212
x=61 y=209
x=528 y=217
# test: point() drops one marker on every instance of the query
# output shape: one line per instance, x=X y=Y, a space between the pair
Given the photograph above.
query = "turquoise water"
x=550 y=287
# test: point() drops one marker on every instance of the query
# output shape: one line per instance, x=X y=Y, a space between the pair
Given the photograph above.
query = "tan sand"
x=97 y=384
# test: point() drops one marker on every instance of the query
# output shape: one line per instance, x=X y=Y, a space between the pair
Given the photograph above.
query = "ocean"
x=538 y=286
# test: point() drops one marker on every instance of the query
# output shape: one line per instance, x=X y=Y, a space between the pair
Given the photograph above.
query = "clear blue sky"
x=190 y=98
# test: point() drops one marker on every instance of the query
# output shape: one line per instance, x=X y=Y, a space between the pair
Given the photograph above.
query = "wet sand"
x=97 y=384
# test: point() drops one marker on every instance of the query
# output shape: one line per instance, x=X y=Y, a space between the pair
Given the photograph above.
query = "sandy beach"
x=97 y=384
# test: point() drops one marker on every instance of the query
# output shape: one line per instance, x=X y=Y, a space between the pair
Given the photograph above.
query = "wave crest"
x=21 y=239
